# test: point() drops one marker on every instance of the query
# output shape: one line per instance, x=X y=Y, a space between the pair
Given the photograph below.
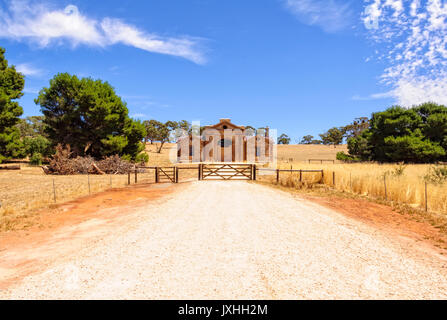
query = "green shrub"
x=36 y=145
x=142 y=158
x=346 y=157
x=36 y=159
x=127 y=157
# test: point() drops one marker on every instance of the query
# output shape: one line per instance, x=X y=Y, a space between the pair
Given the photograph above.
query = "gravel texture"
x=239 y=240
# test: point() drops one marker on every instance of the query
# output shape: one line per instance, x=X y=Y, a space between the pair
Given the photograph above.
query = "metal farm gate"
x=227 y=172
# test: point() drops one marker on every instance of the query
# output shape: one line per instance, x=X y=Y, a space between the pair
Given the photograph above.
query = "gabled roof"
x=227 y=123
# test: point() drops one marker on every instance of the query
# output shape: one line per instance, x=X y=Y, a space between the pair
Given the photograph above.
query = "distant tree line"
x=336 y=135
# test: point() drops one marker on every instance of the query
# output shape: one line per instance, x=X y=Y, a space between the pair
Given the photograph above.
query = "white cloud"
x=31 y=90
x=375 y=96
x=38 y=23
x=138 y=116
x=144 y=102
x=329 y=15
x=411 y=37
x=28 y=70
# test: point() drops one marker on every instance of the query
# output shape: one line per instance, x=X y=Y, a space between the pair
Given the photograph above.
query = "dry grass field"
x=369 y=179
x=302 y=153
x=160 y=159
x=28 y=189
x=405 y=184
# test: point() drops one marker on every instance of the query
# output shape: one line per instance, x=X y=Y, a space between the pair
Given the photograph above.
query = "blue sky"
x=301 y=66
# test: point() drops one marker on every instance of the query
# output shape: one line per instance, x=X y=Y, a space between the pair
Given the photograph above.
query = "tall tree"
x=333 y=136
x=307 y=139
x=151 y=130
x=357 y=127
x=184 y=125
x=33 y=126
x=283 y=139
x=163 y=133
x=89 y=116
x=11 y=87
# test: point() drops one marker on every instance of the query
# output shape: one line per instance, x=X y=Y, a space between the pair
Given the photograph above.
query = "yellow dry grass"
x=302 y=153
x=163 y=158
x=29 y=188
x=367 y=179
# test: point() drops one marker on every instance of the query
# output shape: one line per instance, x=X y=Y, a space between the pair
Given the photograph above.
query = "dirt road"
x=238 y=240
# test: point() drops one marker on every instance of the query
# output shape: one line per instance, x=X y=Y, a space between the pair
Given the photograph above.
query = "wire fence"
x=415 y=193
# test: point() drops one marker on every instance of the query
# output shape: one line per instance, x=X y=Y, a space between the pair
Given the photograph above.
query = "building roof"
x=225 y=124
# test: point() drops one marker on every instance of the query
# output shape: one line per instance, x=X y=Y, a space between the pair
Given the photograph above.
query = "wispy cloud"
x=411 y=37
x=28 y=70
x=375 y=96
x=44 y=25
x=143 y=102
x=31 y=90
x=329 y=15
x=139 y=116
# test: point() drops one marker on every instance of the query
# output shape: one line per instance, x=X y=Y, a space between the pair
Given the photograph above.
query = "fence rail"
x=219 y=171
x=278 y=171
x=322 y=160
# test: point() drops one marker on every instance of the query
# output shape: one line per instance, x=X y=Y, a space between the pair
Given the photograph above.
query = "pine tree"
x=11 y=87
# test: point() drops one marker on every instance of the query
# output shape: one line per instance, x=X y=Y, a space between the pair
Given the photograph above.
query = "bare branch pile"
x=62 y=163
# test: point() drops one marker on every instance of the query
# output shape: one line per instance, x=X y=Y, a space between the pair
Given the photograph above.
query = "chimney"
x=267 y=132
x=223 y=120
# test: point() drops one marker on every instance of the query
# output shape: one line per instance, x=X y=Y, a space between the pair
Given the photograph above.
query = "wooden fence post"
x=88 y=180
x=54 y=191
x=176 y=174
x=199 y=169
x=426 y=197
x=254 y=172
x=333 y=178
x=136 y=175
x=301 y=175
x=128 y=177
x=386 y=191
x=322 y=176
x=277 y=175
x=350 y=180
x=156 y=175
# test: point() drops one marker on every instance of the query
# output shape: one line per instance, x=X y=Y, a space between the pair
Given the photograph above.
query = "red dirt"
x=384 y=218
x=75 y=219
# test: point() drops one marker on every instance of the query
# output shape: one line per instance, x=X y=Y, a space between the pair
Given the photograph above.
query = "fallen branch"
x=10 y=168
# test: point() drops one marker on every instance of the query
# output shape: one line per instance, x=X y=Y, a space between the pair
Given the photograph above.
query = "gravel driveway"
x=239 y=240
